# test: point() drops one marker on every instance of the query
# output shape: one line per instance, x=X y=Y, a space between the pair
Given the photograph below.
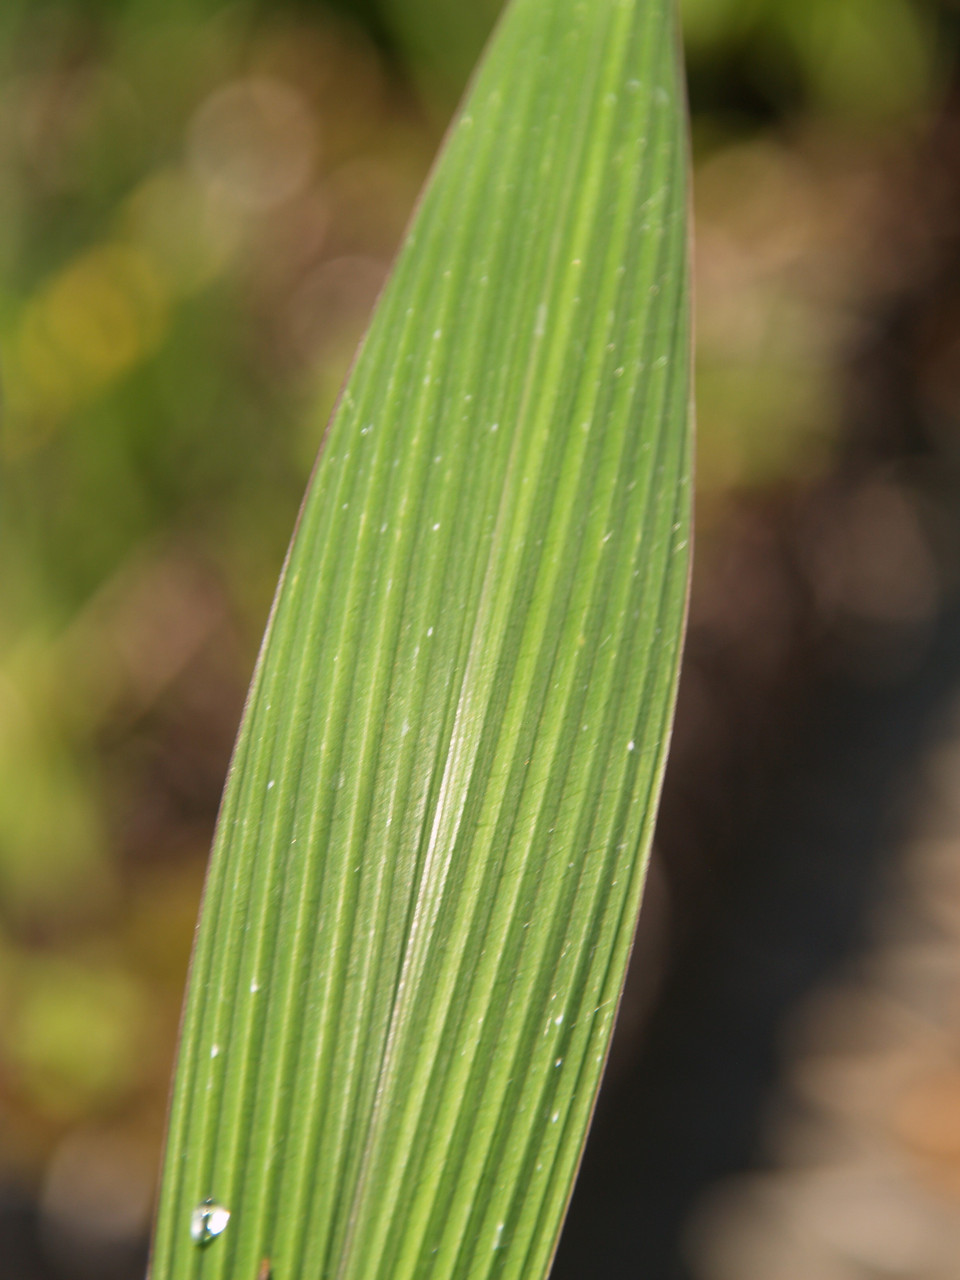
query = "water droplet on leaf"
x=208 y=1219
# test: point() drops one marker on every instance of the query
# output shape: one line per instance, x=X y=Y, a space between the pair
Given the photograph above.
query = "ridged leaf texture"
x=429 y=860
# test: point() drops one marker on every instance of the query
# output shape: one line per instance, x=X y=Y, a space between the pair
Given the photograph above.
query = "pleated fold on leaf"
x=428 y=865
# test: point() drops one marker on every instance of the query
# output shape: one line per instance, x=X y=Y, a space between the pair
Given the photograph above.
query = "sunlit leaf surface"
x=431 y=850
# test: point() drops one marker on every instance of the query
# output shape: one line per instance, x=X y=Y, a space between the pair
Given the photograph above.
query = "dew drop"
x=208 y=1220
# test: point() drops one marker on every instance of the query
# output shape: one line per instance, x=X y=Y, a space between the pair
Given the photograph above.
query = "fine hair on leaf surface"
x=429 y=859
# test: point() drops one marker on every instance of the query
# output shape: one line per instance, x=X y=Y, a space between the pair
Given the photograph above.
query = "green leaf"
x=429 y=860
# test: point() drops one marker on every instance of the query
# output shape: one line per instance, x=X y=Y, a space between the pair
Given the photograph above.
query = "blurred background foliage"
x=199 y=202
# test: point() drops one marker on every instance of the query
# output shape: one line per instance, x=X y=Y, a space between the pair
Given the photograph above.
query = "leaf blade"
x=432 y=843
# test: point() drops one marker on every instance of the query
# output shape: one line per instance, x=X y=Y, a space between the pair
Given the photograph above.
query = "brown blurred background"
x=198 y=203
